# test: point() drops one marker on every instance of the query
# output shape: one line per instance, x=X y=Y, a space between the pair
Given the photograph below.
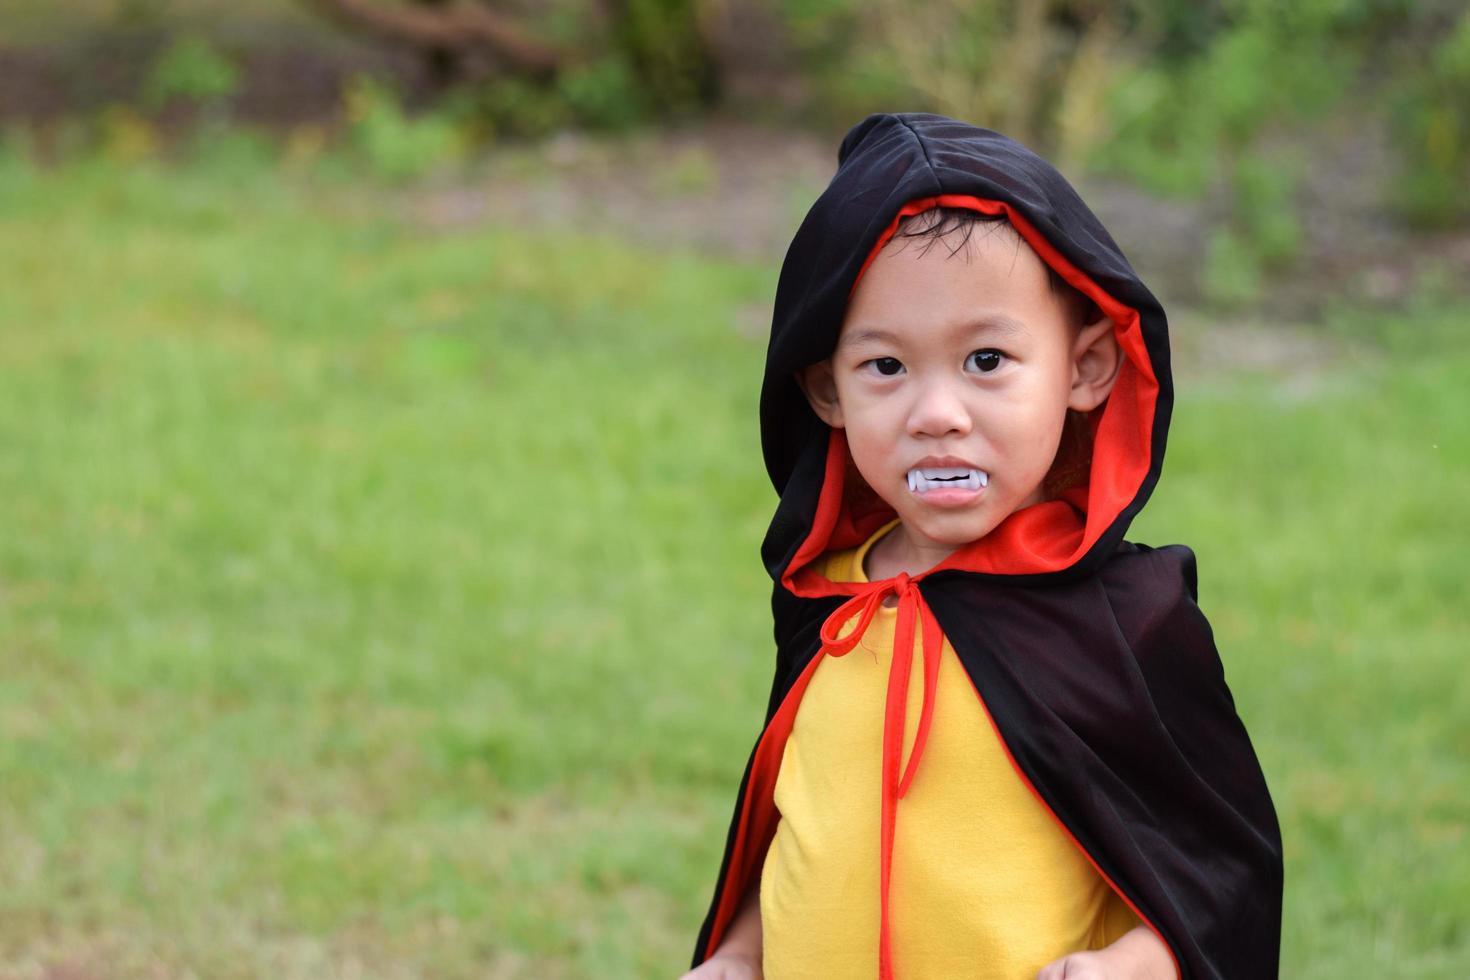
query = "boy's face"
x=966 y=361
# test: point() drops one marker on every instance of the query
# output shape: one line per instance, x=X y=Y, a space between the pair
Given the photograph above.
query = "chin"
x=955 y=532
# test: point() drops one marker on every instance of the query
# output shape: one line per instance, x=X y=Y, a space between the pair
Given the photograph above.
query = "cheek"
x=1032 y=428
x=870 y=447
x=868 y=417
x=873 y=433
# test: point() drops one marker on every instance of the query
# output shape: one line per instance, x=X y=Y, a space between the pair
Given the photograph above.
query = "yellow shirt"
x=985 y=884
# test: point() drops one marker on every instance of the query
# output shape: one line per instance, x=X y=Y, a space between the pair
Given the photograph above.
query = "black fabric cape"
x=1090 y=654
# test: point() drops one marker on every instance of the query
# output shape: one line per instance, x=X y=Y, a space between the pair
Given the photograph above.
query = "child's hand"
x=726 y=966
x=1080 y=966
x=1137 y=955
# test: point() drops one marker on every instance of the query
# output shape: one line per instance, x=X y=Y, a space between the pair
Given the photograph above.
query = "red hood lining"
x=1045 y=537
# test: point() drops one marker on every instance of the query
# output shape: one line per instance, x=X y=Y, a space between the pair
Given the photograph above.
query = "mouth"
x=936 y=479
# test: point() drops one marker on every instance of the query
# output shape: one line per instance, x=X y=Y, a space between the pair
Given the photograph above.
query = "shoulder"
x=1153 y=595
x=1172 y=568
x=1148 y=588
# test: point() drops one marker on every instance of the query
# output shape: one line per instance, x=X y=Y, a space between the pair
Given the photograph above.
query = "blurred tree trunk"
x=750 y=48
x=443 y=62
x=666 y=43
x=448 y=32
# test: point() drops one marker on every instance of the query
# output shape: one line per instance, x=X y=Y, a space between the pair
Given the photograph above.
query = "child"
x=1049 y=780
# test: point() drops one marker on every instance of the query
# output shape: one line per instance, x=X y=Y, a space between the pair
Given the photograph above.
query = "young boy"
x=999 y=742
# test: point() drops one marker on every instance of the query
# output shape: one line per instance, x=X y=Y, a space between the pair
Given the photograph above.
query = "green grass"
x=1331 y=532
x=383 y=602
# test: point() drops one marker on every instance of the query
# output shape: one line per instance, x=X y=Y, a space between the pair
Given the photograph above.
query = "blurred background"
x=380 y=485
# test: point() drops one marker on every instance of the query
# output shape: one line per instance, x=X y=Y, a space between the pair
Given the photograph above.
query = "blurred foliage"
x=1180 y=124
x=1152 y=88
x=191 y=70
x=667 y=53
x=647 y=59
x=1216 y=101
x=606 y=92
x=529 y=69
x=392 y=144
x=1231 y=275
x=124 y=136
x=1186 y=99
x=509 y=106
x=1432 y=123
x=1260 y=234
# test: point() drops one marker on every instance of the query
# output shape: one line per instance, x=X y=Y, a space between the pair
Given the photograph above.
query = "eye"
x=986 y=360
x=886 y=366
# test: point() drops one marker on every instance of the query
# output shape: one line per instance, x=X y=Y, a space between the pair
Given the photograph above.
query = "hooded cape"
x=1089 y=654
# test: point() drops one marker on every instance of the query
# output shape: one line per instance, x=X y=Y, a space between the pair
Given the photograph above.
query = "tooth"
x=972 y=482
x=984 y=478
x=913 y=480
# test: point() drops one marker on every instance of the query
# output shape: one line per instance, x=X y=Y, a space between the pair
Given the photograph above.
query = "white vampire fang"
x=922 y=480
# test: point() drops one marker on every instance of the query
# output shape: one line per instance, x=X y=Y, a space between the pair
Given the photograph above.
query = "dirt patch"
x=722 y=188
x=727 y=187
x=1297 y=358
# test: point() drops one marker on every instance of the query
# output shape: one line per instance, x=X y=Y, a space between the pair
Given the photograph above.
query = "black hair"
x=938 y=224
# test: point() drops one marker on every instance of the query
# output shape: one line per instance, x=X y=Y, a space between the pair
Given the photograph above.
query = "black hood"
x=892 y=165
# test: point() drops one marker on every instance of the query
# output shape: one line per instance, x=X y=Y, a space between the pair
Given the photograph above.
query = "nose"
x=940 y=410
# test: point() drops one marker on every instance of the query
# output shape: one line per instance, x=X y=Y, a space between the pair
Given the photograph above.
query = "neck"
x=897 y=551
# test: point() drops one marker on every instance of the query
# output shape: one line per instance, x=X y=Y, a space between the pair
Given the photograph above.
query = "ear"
x=1096 y=359
x=819 y=386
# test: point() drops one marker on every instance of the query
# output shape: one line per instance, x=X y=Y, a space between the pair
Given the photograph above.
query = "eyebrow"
x=997 y=323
